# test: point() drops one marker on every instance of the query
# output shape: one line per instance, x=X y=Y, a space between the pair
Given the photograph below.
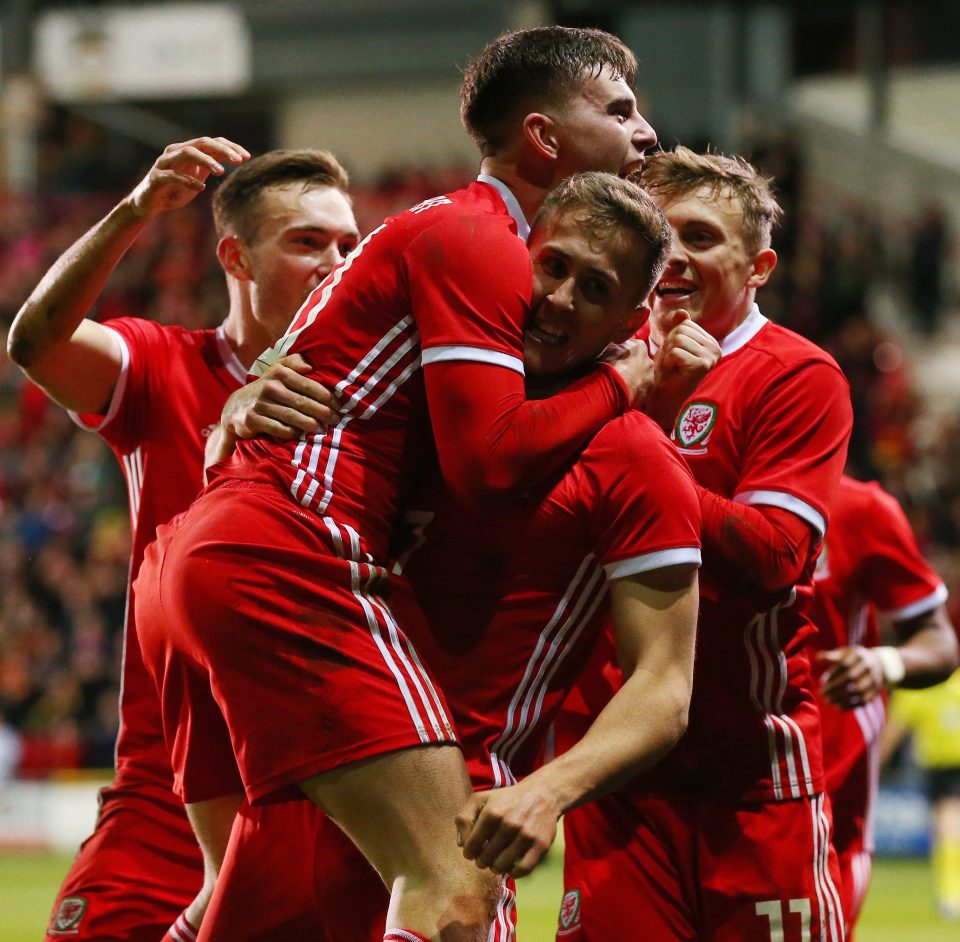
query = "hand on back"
x=282 y=404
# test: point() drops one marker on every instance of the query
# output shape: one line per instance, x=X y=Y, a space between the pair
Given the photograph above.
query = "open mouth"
x=674 y=289
x=545 y=335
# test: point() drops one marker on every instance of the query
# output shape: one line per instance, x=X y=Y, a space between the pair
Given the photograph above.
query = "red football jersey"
x=514 y=597
x=869 y=562
x=172 y=386
x=767 y=426
x=411 y=293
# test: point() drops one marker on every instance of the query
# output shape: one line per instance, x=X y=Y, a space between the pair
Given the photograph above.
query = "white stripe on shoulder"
x=920 y=607
x=118 y=388
x=472 y=354
x=650 y=561
x=785 y=502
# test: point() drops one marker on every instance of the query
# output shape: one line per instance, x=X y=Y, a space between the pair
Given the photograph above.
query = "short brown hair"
x=603 y=204
x=236 y=199
x=667 y=174
x=523 y=71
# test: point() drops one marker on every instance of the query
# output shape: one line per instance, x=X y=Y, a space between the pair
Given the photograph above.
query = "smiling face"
x=301 y=235
x=712 y=271
x=600 y=128
x=586 y=292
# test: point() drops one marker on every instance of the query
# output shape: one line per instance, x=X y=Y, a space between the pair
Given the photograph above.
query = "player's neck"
x=529 y=194
x=243 y=331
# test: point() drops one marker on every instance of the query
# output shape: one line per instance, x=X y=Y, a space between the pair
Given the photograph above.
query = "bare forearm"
x=65 y=295
x=640 y=724
x=929 y=649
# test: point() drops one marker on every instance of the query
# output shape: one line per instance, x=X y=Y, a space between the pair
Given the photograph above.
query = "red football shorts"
x=133 y=876
x=291 y=874
x=274 y=652
x=683 y=870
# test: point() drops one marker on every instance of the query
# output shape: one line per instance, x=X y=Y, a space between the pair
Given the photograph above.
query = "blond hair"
x=668 y=174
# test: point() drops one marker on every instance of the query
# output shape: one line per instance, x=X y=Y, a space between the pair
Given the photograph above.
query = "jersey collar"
x=738 y=337
x=741 y=335
x=513 y=207
x=230 y=360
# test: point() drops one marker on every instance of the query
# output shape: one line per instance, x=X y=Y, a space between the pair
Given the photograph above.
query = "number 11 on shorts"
x=773 y=910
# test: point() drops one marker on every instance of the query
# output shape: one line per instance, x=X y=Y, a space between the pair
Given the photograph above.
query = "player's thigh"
x=132 y=877
x=768 y=873
x=627 y=873
x=397 y=806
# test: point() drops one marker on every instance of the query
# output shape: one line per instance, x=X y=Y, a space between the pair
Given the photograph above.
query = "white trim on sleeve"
x=474 y=355
x=650 y=561
x=118 y=388
x=785 y=502
x=927 y=604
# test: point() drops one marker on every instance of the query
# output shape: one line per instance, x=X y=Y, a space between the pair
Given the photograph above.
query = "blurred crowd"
x=64 y=539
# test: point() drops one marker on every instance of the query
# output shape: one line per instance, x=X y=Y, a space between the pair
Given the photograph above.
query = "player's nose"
x=561 y=297
x=644 y=136
x=329 y=259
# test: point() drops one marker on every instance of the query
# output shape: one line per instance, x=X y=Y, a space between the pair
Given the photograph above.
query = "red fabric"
x=181 y=931
x=446 y=282
x=755 y=434
x=132 y=877
x=689 y=869
x=169 y=395
x=290 y=874
x=870 y=561
x=267 y=645
x=504 y=604
x=141 y=866
x=499 y=441
x=766 y=548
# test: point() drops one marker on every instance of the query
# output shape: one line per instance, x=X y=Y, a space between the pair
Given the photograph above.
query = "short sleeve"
x=125 y=422
x=470 y=279
x=797 y=443
x=641 y=506
x=894 y=575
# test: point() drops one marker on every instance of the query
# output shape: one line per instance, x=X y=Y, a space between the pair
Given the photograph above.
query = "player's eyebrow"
x=322 y=230
x=606 y=274
x=623 y=101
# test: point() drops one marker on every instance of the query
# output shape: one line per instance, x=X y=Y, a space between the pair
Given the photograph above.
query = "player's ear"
x=632 y=323
x=540 y=134
x=764 y=263
x=234 y=258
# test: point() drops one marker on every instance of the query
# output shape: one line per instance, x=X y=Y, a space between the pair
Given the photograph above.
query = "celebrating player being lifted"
x=694 y=850
x=504 y=603
x=261 y=615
